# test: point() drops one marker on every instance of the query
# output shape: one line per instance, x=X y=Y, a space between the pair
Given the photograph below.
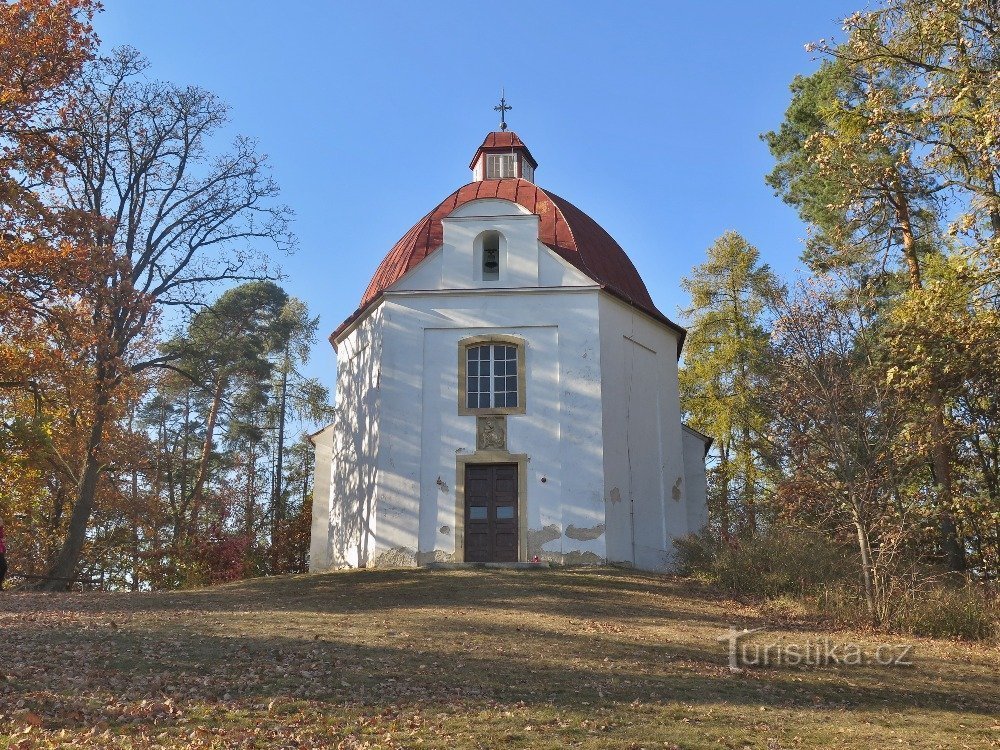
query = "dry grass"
x=458 y=659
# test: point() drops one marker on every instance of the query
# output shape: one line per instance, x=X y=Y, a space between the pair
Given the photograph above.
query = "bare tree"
x=837 y=424
x=163 y=217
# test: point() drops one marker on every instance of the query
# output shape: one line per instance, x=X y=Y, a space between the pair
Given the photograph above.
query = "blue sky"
x=645 y=115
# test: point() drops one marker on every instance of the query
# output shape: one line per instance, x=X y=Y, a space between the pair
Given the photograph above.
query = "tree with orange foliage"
x=162 y=219
x=44 y=45
x=114 y=209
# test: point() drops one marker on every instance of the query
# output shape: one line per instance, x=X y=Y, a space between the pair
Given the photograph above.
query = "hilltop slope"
x=470 y=659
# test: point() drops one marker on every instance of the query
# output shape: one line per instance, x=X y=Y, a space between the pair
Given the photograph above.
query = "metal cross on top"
x=503 y=108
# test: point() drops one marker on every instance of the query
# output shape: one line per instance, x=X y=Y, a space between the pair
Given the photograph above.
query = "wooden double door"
x=491 y=522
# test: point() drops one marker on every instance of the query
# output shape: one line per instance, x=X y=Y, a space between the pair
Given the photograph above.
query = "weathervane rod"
x=503 y=108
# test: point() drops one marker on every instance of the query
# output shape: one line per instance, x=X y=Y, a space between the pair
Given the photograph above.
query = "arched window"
x=489 y=256
x=491 y=375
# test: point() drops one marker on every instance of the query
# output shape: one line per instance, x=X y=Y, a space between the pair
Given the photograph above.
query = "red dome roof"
x=563 y=227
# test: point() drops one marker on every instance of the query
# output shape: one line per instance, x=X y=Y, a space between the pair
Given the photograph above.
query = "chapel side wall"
x=423 y=434
x=352 y=530
x=645 y=491
x=319 y=540
x=581 y=444
x=399 y=454
x=696 y=481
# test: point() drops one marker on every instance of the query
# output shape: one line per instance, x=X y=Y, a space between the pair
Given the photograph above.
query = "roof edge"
x=707 y=440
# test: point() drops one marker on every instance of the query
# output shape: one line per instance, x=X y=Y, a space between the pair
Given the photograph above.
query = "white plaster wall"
x=554 y=271
x=518 y=251
x=696 y=480
x=525 y=263
x=427 y=275
x=354 y=485
x=645 y=492
x=421 y=432
x=319 y=541
x=489 y=207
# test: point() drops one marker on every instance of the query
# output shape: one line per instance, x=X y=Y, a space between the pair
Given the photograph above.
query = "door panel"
x=477 y=513
x=491 y=522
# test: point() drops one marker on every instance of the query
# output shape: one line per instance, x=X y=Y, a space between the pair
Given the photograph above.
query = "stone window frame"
x=463 y=368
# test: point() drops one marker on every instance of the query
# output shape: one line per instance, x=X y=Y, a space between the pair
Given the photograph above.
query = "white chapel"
x=506 y=392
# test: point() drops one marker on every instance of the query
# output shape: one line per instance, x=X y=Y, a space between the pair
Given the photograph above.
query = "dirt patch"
x=584 y=533
x=397 y=557
x=539 y=537
x=436 y=556
x=575 y=557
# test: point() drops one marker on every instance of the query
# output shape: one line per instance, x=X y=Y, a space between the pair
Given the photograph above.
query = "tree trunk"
x=249 y=520
x=909 y=242
x=951 y=545
x=724 y=524
x=197 y=490
x=69 y=555
x=864 y=547
x=749 y=499
x=940 y=453
x=278 y=503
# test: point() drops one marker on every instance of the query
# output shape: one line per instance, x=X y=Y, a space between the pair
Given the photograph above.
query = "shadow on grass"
x=368 y=641
x=580 y=593
x=510 y=664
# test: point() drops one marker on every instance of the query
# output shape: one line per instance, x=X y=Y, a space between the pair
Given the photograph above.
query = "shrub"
x=797 y=572
x=966 y=612
x=694 y=554
x=781 y=561
x=787 y=606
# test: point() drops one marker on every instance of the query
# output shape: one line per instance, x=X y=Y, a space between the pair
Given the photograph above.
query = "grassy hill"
x=467 y=659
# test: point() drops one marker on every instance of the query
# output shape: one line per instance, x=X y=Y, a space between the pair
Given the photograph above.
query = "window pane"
x=492 y=376
x=477 y=512
x=505 y=512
